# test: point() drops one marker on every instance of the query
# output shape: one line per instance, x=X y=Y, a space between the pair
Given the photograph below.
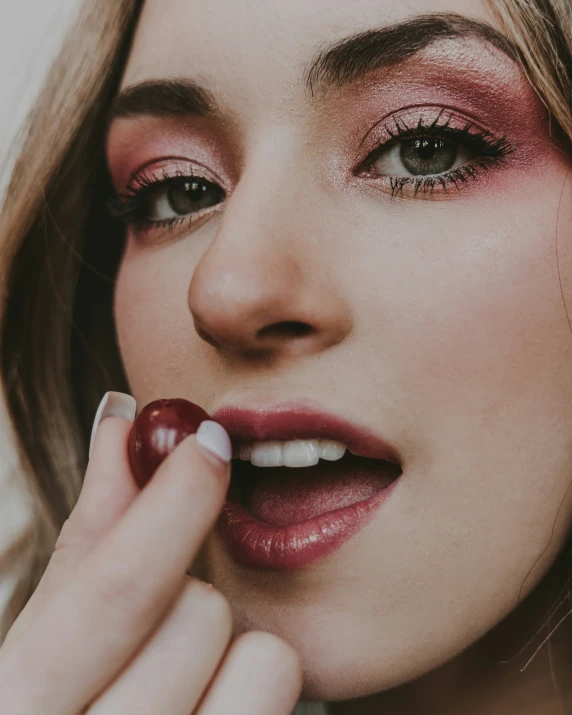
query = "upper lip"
x=288 y=420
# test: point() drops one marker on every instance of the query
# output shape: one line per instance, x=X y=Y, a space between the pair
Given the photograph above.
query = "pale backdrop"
x=30 y=35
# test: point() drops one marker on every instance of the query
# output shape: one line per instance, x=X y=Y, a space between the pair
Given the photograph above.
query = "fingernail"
x=213 y=436
x=117 y=404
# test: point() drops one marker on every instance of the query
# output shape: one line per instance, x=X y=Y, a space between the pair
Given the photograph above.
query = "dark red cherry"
x=157 y=430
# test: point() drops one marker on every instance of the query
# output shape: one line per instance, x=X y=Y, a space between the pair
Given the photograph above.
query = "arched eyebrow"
x=350 y=60
x=339 y=64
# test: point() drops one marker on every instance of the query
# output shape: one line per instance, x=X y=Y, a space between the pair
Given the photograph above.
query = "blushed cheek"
x=464 y=313
x=497 y=301
x=154 y=327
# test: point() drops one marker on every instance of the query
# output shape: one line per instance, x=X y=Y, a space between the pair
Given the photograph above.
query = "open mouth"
x=302 y=482
x=281 y=496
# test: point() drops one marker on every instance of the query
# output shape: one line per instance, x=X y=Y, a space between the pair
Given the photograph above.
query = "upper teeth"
x=291 y=453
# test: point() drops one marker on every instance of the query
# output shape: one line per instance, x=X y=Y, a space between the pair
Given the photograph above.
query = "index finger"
x=128 y=581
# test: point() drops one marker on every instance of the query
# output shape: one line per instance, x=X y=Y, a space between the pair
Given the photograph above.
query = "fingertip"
x=195 y=466
x=110 y=442
x=213 y=439
x=119 y=404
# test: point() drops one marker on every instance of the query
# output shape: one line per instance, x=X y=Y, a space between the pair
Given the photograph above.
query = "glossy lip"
x=255 y=544
x=300 y=420
x=258 y=545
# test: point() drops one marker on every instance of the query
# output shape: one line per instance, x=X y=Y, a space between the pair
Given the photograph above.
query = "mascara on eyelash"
x=124 y=206
x=129 y=207
x=427 y=184
x=479 y=140
x=492 y=153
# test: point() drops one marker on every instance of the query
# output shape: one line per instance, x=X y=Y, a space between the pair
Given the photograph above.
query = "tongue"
x=281 y=495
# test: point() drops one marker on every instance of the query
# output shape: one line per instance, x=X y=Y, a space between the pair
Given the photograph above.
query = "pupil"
x=426 y=148
x=427 y=155
x=183 y=197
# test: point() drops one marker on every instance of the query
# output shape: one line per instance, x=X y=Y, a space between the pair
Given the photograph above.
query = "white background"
x=31 y=32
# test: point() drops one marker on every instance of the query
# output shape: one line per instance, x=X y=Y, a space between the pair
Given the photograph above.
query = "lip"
x=256 y=544
x=301 y=420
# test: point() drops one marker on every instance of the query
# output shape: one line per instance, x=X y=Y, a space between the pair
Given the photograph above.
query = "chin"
x=351 y=641
x=340 y=658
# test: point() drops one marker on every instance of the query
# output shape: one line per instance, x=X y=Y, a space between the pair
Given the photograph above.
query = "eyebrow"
x=339 y=64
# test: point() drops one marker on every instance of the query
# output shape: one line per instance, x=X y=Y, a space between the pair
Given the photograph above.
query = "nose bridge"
x=275 y=186
x=258 y=286
x=253 y=249
x=265 y=216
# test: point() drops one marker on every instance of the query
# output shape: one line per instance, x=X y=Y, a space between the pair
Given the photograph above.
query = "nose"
x=264 y=285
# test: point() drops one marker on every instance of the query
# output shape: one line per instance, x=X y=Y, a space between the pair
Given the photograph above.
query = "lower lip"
x=258 y=545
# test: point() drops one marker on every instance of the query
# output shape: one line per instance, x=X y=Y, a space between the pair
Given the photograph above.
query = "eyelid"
x=392 y=129
x=170 y=167
x=408 y=123
x=386 y=129
x=481 y=144
x=142 y=186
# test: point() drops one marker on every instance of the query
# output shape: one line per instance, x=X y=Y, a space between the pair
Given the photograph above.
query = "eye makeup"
x=169 y=194
x=430 y=129
x=169 y=188
x=431 y=150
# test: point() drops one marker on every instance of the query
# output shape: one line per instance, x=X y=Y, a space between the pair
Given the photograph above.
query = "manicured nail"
x=117 y=404
x=213 y=436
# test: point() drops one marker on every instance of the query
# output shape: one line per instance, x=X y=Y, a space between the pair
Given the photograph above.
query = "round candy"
x=157 y=430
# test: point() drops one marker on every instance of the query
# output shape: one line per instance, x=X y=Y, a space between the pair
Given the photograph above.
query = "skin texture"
x=438 y=320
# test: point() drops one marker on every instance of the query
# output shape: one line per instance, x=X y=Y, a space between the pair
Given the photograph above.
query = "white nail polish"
x=117 y=404
x=214 y=437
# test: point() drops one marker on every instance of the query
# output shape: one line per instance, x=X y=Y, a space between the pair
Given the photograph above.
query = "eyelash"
x=492 y=152
x=129 y=207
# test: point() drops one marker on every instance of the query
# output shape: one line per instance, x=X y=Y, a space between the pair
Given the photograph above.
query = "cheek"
x=476 y=350
x=467 y=307
x=477 y=355
x=154 y=326
x=462 y=351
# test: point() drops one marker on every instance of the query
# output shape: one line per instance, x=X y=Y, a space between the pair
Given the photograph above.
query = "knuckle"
x=214 y=608
x=268 y=649
x=74 y=533
x=207 y=477
x=205 y=497
x=116 y=586
x=202 y=486
x=65 y=536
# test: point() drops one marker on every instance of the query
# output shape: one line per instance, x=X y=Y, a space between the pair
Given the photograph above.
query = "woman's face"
x=412 y=289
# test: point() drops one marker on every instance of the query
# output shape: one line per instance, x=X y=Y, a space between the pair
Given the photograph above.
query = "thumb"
x=109 y=487
x=108 y=490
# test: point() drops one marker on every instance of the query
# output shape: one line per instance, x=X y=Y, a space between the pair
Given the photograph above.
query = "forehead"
x=259 y=49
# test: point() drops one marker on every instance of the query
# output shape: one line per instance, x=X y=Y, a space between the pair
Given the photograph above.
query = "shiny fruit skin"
x=157 y=430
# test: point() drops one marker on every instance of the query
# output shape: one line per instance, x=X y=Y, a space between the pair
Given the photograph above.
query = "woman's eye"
x=422 y=156
x=182 y=198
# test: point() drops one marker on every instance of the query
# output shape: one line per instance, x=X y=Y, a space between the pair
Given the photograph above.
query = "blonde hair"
x=44 y=226
x=58 y=347
x=541 y=30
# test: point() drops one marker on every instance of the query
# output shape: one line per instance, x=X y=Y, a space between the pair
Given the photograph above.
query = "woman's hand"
x=116 y=625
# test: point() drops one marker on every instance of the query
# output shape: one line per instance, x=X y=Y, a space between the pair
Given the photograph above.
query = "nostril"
x=286 y=329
